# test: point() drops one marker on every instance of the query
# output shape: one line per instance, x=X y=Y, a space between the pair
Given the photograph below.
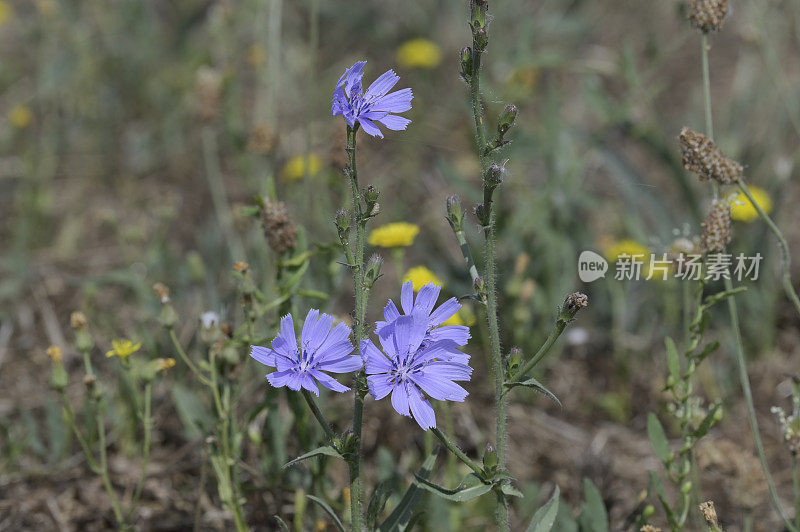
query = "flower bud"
x=455 y=213
x=648 y=511
x=342 y=221
x=483 y=214
x=477 y=14
x=481 y=39
x=506 y=119
x=373 y=270
x=686 y=487
x=168 y=317
x=493 y=176
x=58 y=375
x=230 y=355
x=465 y=58
x=371 y=194
x=77 y=320
x=490 y=458
x=83 y=340
x=513 y=361
x=572 y=304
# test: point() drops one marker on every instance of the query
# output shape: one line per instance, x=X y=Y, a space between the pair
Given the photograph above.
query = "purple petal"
x=394 y=122
x=334 y=352
x=445 y=311
x=369 y=127
x=421 y=409
x=318 y=332
x=438 y=387
x=328 y=381
x=390 y=312
x=379 y=386
x=396 y=102
x=459 y=334
x=426 y=300
x=308 y=383
x=351 y=79
x=407 y=297
x=287 y=332
x=263 y=355
x=400 y=400
x=409 y=332
x=338 y=334
x=308 y=325
x=374 y=360
x=281 y=378
x=449 y=370
x=344 y=364
x=382 y=85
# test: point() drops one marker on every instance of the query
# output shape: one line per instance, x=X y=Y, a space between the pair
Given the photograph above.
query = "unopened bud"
x=483 y=214
x=455 y=213
x=465 y=58
x=371 y=194
x=342 y=221
x=648 y=511
x=490 y=457
x=686 y=487
x=477 y=14
x=493 y=176
x=507 y=119
x=481 y=39
x=168 y=317
x=373 y=270
x=77 y=320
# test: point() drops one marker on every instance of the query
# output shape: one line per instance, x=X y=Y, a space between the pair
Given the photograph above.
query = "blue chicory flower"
x=411 y=367
x=423 y=306
x=300 y=364
x=374 y=105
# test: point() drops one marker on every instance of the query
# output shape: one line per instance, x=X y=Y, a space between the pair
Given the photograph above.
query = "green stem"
x=467 y=254
x=458 y=453
x=786 y=260
x=101 y=429
x=744 y=380
x=796 y=489
x=181 y=353
x=69 y=416
x=540 y=354
x=312 y=404
x=741 y=363
x=356 y=487
x=145 y=448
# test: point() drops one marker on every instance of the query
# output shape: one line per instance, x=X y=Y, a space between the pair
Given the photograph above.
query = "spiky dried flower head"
x=54 y=352
x=702 y=156
x=717 y=228
x=278 y=227
x=707 y=15
x=240 y=266
x=77 y=320
x=709 y=513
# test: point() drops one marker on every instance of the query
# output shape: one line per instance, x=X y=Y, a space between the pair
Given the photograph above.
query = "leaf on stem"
x=328 y=510
x=326 y=450
x=471 y=487
x=545 y=517
x=533 y=384
x=402 y=514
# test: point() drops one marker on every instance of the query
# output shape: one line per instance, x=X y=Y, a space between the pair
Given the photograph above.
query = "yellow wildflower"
x=163 y=364
x=320 y=526
x=627 y=247
x=6 y=12
x=744 y=211
x=395 y=235
x=296 y=167
x=20 y=116
x=123 y=348
x=419 y=53
x=54 y=352
x=462 y=317
x=420 y=276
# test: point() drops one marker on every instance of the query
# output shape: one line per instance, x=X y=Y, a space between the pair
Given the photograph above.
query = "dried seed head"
x=208 y=89
x=707 y=15
x=709 y=513
x=240 y=266
x=278 y=227
x=717 y=228
x=54 y=352
x=649 y=528
x=262 y=139
x=162 y=292
x=701 y=155
x=77 y=320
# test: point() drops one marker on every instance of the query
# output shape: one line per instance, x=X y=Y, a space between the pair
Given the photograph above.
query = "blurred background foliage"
x=134 y=132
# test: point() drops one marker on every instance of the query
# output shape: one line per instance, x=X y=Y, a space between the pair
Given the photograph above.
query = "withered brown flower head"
x=709 y=513
x=278 y=227
x=717 y=227
x=707 y=15
x=77 y=320
x=701 y=155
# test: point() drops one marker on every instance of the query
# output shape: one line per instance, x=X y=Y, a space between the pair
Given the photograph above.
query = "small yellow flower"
x=163 y=364
x=295 y=168
x=54 y=352
x=627 y=247
x=462 y=317
x=420 y=276
x=419 y=53
x=395 y=235
x=744 y=211
x=320 y=526
x=20 y=116
x=123 y=348
x=6 y=12
x=346 y=497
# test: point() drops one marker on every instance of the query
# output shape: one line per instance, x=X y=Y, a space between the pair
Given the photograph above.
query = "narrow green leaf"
x=281 y=524
x=593 y=515
x=721 y=296
x=658 y=487
x=376 y=503
x=673 y=363
x=469 y=488
x=511 y=491
x=401 y=515
x=545 y=517
x=533 y=384
x=707 y=422
x=658 y=438
x=327 y=450
x=707 y=350
x=328 y=510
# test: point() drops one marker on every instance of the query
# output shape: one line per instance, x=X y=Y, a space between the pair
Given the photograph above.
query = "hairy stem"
x=540 y=354
x=786 y=260
x=356 y=487
x=312 y=404
x=458 y=453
